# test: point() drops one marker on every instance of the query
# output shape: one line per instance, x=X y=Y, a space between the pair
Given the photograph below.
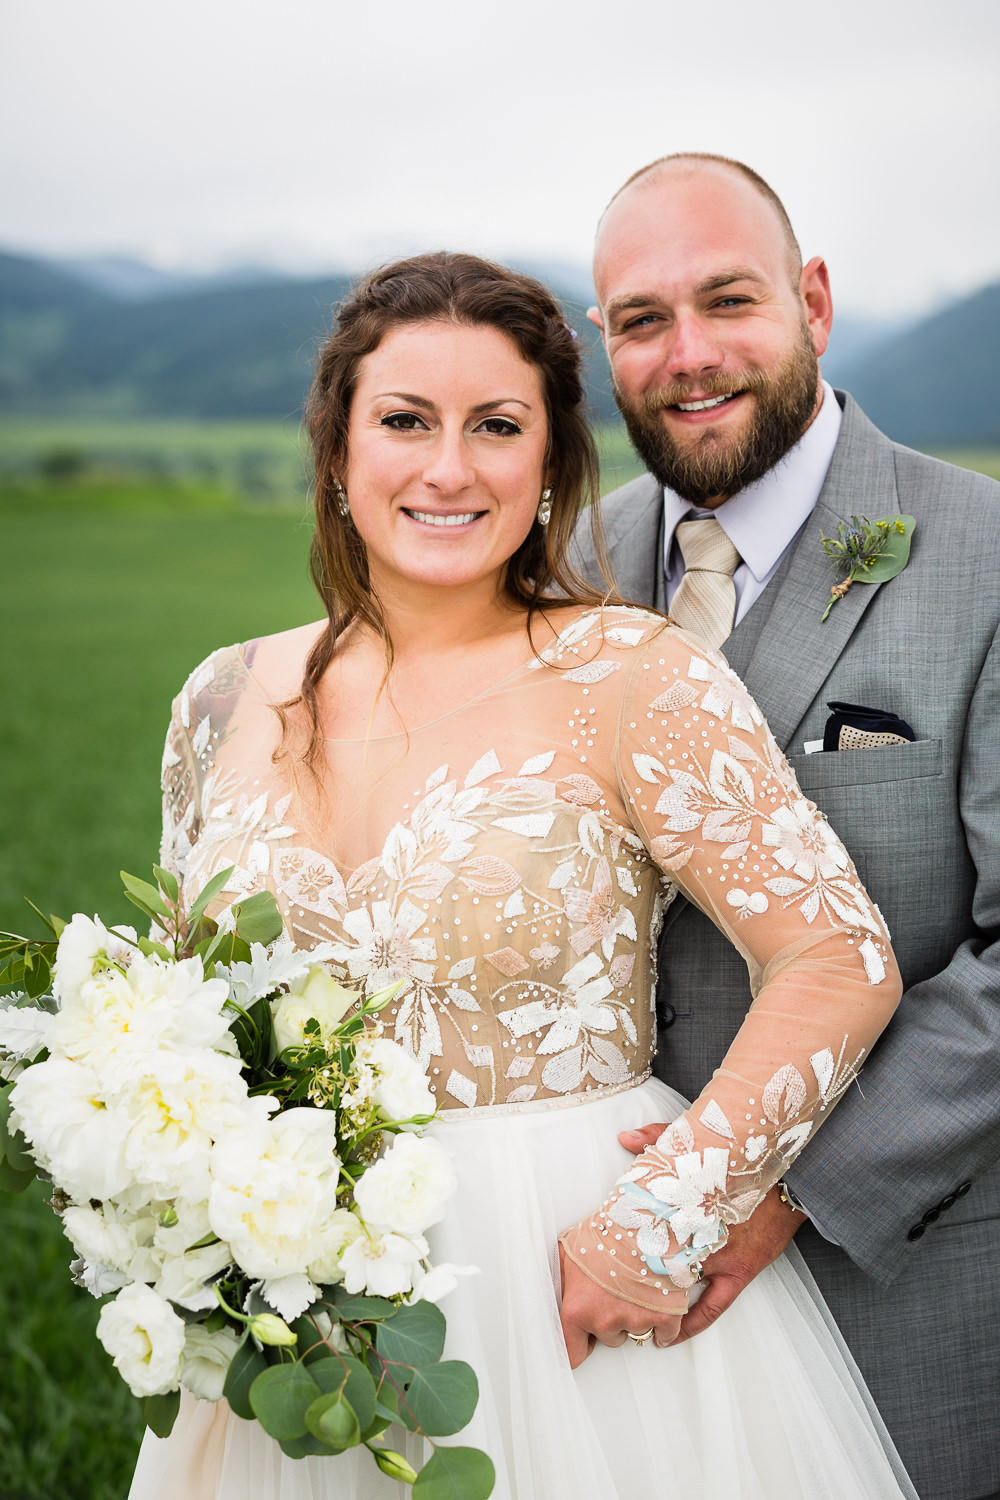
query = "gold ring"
x=641 y=1338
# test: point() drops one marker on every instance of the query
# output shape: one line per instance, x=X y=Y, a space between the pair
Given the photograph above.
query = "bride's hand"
x=590 y=1315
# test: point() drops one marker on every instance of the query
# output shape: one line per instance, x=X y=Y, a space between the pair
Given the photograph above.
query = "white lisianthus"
x=145 y=1338
x=183 y=1278
x=290 y=1295
x=178 y=1103
x=400 y=1089
x=341 y=1229
x=206 y=1359
x=316 y=997
x=383 y=1265
x=406 y=1189
x=432 y=1285
x=274 y=1185
x=104 y=1235
x=74 y=1135
x=85 y=947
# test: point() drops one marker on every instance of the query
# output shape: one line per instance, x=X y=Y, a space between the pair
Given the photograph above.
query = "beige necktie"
x=705 y=601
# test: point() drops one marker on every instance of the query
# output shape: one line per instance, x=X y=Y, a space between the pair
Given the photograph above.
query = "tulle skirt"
x=765 y=1405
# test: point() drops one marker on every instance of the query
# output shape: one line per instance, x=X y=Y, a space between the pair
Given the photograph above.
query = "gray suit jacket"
x=916 y=1286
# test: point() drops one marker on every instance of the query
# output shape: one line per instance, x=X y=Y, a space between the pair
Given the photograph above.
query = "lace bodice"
x=511 y=862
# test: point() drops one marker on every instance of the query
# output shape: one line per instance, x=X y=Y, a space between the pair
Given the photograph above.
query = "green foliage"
x=456 y=1474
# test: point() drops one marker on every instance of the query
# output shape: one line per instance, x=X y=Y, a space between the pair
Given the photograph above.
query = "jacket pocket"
x=830 y=768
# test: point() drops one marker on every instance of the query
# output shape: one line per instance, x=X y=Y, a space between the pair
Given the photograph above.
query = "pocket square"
x=851 y=727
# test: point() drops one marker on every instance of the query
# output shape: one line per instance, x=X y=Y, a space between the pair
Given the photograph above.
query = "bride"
x=480 y=778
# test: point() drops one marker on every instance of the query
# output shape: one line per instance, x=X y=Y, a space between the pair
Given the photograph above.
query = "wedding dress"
x=511 y=862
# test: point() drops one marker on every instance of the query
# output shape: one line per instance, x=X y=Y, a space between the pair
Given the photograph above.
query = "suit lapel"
x=633 y=534
x=786 y=653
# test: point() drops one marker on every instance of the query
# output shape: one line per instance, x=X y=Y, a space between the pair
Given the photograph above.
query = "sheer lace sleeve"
x=716 y=805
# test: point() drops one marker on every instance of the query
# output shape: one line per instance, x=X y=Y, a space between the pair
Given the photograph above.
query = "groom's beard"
x=717 y=465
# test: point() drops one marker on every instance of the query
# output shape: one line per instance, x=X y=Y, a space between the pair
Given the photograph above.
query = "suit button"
x=917 y=1231
x=950 y=1201
x=667 y=1016
x=931 y=1216
x=961 y=1192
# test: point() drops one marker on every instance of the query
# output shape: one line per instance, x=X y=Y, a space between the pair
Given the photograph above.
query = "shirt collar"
x=762 y=519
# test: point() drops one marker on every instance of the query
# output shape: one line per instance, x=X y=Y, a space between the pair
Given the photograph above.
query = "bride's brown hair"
x=475 y=293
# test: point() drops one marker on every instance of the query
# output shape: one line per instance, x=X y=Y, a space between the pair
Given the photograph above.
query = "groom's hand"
x=750 y=1247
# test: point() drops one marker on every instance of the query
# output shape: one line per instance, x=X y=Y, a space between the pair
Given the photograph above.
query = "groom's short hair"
x=729 y=163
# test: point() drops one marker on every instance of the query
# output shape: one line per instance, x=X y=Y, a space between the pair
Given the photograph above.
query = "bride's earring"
x=343 y=506
x=545 y=508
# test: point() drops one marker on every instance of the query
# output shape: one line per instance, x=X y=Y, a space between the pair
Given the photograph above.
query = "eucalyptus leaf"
x=160 y=1412
x=349 y=1375
x=305 y=1447
x=279 y=1397
x=12 y=1181
x=894 y=557
x=13 y=1145
x=333 y=1420
x=247 y=1363
x=455 y=1474
x=363 y=1309
x=441 y=1398
x=258 y=919
x=415 y=1336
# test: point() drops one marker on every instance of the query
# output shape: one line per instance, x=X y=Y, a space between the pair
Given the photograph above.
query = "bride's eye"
x=403 y=421
x=499 y=427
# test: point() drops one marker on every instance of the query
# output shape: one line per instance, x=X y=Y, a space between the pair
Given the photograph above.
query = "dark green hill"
x=936 y=384
x=219 y=352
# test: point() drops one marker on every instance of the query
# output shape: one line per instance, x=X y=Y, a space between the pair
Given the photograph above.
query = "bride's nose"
x=449 y=467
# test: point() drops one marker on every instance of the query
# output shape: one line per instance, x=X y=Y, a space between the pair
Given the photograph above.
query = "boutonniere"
x=870 y=551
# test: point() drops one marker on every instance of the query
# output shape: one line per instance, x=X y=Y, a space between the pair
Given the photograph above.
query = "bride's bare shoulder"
x=277 y=662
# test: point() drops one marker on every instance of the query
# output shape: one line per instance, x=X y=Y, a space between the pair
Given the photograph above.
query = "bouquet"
x=236 y=1155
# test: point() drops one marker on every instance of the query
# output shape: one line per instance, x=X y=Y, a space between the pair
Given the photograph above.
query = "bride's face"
x=446 y=454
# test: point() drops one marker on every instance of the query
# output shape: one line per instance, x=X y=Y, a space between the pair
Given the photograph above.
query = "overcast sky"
x=325 y=134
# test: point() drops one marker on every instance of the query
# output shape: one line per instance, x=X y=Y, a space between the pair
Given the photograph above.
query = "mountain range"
x=111 y=337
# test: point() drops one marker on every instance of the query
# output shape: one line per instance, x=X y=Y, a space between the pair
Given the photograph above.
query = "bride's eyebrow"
x=425 y=405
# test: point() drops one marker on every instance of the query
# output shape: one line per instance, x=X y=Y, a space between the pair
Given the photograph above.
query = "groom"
x=713 y=328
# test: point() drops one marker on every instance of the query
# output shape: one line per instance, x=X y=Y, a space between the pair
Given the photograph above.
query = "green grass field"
x=113 y=589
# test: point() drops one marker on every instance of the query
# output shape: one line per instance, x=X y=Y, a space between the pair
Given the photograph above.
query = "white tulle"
x=767 y=1405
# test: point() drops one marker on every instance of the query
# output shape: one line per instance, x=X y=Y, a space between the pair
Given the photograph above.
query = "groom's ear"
x=594 y=315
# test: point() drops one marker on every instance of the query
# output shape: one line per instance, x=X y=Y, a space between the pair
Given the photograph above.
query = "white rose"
x=318 y=997
x=206 y=1360
x=155 y=1004
x=341 y=1229
x=273 y=1187
x=84 y=948
x=383 y=1265
x=401 y=1089
x=145 y=1338
x=406 y=1190
x=74 y=1136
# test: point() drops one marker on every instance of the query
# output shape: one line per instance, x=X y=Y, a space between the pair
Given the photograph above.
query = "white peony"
x=316 y=997
x=399 y=1088
x=341 y=1229
x=74 y=1135
x=156 y=1004
x=145 y=1338
x=177 y=1104
x=383 y=1265
x=206 y=1360
x=274 y=1186
x=85 y=947
x=406 y=1190
x=24 y=1030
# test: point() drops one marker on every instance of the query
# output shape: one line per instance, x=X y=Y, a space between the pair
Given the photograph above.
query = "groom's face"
x=712 y=332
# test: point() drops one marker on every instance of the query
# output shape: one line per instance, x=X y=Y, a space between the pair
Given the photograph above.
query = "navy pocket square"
x=851 y=727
